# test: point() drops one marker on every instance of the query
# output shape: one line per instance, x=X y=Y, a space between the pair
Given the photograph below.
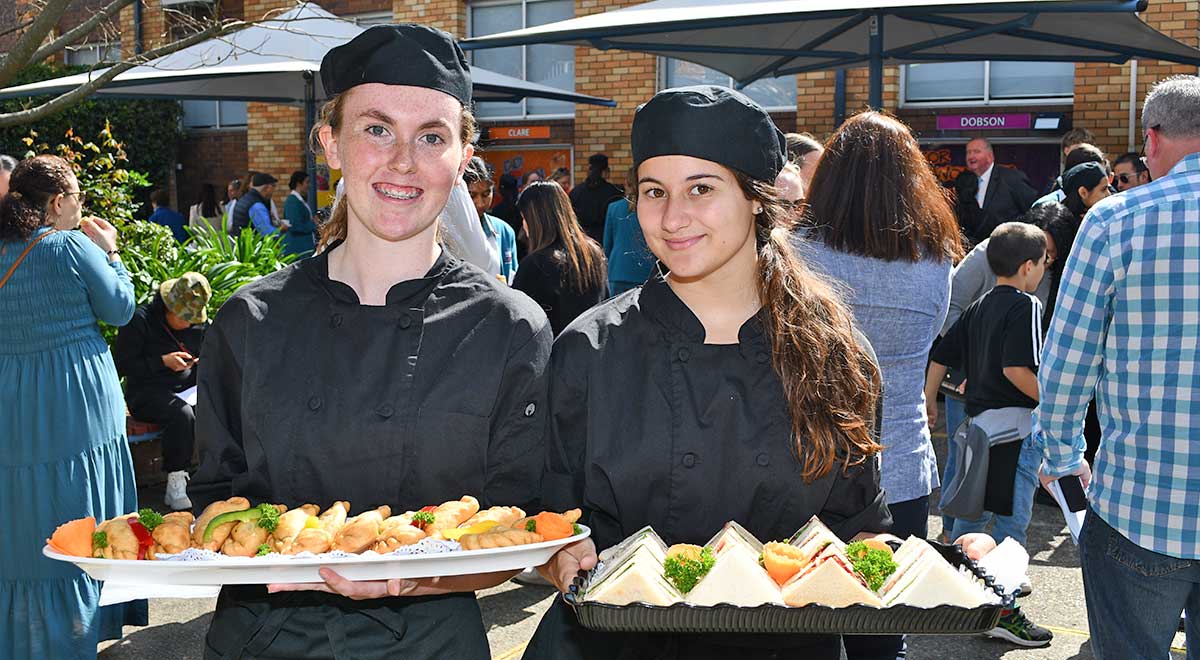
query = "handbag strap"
x=22 y=256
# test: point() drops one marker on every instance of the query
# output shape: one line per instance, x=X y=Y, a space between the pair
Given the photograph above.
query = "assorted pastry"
x=812 y=567
x=234 y=528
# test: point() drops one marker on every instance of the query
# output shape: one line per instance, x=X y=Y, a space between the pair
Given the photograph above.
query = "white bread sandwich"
x=731 y=535
x=828 y=580
x=638 y=580
x=924 y=578
x=736 y=578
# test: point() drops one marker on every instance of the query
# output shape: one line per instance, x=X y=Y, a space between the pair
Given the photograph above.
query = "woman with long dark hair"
x=731 y=386
x=880 y=226
x=564 y=271
x=206 y=212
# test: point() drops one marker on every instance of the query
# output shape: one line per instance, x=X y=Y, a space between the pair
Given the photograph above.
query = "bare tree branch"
x=81 y=31
x=18 y=57
x=79 y=93
x=16 y=28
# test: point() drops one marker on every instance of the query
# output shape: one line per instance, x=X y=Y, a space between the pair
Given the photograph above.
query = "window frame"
x=99 y=45
x=985 y=102
x=219 y=125
x=664 y=71
x=525 y=115
x=370 y=18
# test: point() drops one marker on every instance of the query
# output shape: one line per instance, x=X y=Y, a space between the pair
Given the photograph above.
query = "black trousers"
x=908 y=518
x=178 y=423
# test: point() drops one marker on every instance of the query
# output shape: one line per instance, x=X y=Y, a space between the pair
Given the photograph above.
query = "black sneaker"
x=1018 y=629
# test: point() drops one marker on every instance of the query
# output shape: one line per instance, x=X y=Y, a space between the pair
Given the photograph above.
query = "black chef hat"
x=406 y=54
x=713 y=123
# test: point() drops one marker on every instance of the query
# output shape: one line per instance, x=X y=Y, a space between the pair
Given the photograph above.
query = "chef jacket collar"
x=659 y=302
x=408 y=293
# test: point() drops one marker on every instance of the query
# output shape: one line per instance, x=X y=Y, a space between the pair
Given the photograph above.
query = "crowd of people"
x=757 y=326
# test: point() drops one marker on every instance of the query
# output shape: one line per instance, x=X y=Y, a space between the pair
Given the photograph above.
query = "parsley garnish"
x=684 y=572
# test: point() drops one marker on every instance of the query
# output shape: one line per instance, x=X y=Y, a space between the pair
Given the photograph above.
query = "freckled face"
x=400 y=152
x=694 y=215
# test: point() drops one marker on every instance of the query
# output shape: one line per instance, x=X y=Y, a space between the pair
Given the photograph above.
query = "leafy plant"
x=101 y=166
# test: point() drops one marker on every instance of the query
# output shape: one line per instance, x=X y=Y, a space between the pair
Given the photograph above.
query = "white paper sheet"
x=1074 y=518
x=188 y=396
x=1008 y=564
x=112 y=593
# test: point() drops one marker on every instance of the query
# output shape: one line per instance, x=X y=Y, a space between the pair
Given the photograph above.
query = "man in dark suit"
x=989 y=196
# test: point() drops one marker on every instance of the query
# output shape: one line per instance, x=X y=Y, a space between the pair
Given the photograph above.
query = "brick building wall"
x=215 y=157
x=1102 y=90
x=275 y=143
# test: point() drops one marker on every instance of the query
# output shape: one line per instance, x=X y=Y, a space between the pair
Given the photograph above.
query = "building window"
x=214 y=114
x=89 y=54
x=370 y=18
x=546 y=64
x=988 y=83
x=771 y=93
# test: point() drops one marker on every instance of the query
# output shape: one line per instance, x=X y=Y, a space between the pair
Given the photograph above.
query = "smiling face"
x=400 y=152
x=695 y=217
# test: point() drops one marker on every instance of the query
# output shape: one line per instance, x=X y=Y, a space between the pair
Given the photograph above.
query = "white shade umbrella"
x=752 y=39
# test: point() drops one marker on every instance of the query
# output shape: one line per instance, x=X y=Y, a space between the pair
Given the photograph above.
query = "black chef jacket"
x=651 y=426
x=305 y=395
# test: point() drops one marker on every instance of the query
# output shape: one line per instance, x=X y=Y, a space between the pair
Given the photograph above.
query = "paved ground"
x=511 y=612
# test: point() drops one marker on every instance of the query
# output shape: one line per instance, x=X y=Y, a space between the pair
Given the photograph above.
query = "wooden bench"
x=146 y=450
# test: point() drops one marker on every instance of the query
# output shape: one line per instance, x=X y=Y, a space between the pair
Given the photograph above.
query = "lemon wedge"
x=477 y=528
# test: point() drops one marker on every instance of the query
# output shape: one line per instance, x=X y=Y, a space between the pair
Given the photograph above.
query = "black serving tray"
x=814 y=619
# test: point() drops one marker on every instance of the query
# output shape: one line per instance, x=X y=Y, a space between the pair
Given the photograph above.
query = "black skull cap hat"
x=712 y=123
x=404 y=54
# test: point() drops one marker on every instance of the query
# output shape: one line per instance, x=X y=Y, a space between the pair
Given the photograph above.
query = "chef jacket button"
x=385 y=410
x=335 y=320
x=314 y=403
x=405 y=321
x=689 y=460
x=530 y=409
x=763 y=460
x=683 y=354
x=763 y=358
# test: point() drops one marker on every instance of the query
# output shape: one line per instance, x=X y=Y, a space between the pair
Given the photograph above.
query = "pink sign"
x=981 y=122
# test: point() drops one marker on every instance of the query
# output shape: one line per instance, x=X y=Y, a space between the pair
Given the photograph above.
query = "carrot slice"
x=74 y=538
x=552 y=526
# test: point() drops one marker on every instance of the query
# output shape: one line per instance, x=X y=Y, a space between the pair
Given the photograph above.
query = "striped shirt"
x=1127 y=328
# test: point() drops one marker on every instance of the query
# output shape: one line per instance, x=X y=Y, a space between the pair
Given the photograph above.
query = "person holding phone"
x=157 y=353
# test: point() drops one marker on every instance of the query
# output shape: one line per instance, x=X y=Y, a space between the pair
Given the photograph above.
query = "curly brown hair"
x=34 y=182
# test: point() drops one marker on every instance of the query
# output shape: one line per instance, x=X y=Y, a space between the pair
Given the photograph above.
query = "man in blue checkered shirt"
x=1127 y=328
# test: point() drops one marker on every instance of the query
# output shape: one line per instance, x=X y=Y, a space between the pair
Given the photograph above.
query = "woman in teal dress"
x=63 y=453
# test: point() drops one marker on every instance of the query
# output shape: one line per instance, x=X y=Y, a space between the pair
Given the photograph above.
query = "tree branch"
x=72 y=97
x=81 y=31
x=18 y=57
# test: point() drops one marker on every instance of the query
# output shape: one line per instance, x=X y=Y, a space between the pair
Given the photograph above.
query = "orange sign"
x=518 y=132
x=518 y=162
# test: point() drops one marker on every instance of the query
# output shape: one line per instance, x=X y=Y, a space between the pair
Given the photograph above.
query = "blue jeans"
x=1024 y=484
x=1134 y=596
x=956 y=412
